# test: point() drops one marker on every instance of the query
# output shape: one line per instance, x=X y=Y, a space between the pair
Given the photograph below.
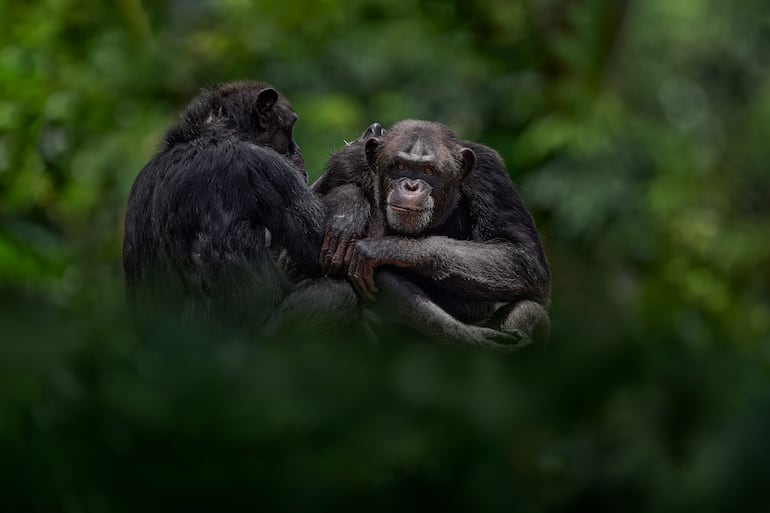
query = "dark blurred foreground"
x=100 y=422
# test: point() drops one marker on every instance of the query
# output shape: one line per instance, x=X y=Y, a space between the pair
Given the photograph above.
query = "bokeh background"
x=639 y=135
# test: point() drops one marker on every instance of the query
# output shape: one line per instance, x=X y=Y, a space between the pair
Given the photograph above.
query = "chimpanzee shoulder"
x=494 y=201
x=348 y=166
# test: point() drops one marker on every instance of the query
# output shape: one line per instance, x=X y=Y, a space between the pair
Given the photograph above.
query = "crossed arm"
x=479 y=270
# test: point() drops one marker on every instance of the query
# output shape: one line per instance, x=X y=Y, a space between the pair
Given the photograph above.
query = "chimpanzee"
x=208 y=216
x=456 y=250
x=348 y=188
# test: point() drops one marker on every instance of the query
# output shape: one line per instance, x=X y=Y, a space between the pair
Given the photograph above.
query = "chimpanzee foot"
x=502 y=341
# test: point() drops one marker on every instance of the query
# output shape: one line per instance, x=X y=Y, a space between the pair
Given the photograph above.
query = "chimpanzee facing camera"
x=454 y=248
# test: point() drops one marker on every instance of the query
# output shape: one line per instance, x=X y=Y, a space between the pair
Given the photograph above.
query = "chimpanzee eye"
x=428 y=170
x=401 y=166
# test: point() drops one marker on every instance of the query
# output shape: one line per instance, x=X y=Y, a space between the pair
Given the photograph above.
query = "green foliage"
x=637 y=132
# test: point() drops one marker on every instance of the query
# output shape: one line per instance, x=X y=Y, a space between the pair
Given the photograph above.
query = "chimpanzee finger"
x=352 y=269
x=324 y=249
x=327 y=252
x=338 y=257
x=350 y=253
x=356 y=278
x=360 y=290
x=367 y=276
x=355 y=273
x=357 y=286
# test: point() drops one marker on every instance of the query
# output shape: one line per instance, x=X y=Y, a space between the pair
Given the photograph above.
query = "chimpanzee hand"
x=360 y=274
x=342 y=232
x=336 y=251
x=344 y=227
x=365 y=256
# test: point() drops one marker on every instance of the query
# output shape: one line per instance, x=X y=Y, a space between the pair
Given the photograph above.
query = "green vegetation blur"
x=639 y=135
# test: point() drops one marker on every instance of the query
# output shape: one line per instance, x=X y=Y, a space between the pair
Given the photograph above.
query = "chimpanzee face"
x=420 y=167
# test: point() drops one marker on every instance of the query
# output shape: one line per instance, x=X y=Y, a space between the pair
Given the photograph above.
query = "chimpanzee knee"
x=528 y=317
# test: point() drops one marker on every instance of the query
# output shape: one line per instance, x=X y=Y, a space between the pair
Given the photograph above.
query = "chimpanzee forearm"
x=348 y=214
x=416 y=309
x=348 y=210
x=487 y=271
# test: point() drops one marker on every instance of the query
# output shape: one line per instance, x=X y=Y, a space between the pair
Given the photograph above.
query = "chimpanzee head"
x=351 y=160
x=420 y=166
x=252 y=111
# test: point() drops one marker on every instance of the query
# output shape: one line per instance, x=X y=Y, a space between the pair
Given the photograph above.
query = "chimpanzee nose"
x=411 y=185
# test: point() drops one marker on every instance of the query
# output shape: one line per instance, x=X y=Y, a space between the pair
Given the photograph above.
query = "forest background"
x=638 y=133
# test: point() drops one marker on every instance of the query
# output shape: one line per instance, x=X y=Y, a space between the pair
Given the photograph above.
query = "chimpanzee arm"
x=414 y=308
x=281 y=200
x=484 y=270
x=348 y=219
x=347 y=188
x=346 y=222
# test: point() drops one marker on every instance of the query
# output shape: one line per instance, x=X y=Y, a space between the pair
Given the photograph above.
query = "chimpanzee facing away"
x=456 y=251
x=208 y=216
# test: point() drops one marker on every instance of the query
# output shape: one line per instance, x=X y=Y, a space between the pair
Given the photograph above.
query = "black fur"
x=478 y=248
x=349 y=193
x=206 y=217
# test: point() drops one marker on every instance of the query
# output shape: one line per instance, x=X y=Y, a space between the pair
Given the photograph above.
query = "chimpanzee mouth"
x=405 y=210
x=408 y=220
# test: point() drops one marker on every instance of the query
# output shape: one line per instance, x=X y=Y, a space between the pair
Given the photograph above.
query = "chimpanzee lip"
x=405 y=209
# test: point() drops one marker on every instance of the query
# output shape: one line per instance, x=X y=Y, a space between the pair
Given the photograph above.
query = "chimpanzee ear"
x=372 y=146
x=266 y=99
x=375 y=130
x=469 y=160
